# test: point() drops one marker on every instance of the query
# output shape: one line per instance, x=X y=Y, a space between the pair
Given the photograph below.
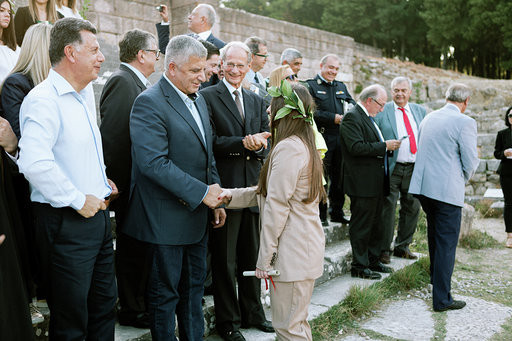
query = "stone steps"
x=336 y=263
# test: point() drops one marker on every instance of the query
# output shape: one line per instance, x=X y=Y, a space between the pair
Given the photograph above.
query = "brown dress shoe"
x=384 y=257
x=407 y=254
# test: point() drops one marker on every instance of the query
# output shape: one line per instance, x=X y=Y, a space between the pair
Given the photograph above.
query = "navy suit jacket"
x=14 y=90
x=163 y=38
x=171 y=168
x=387 y=123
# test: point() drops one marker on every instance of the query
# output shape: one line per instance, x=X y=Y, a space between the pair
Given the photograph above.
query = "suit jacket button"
x=248 y=158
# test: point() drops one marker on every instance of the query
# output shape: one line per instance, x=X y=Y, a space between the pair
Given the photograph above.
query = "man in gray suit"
x=446 y=160
x=173 y=170
x=398 y=119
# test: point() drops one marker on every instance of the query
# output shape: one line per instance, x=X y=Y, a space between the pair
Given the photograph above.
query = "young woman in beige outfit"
x=290 y=187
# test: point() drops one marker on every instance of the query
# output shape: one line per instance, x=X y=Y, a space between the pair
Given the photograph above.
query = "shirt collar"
x=230 y=87
x=364 y=109
x=60 y=83
x=139 y=74
x=406 y=107
x=452 y=106
x=204 y=35
x=184 y=97
x=323 y=79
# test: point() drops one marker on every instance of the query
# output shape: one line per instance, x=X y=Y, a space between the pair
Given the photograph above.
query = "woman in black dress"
x=503 y=152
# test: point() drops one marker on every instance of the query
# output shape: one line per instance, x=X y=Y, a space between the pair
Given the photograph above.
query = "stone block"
x=493 y=165
x=110 y=24
x=482 y=166
x=103 y=6
x=468 y=214
x=478 y=177
x=469 y=190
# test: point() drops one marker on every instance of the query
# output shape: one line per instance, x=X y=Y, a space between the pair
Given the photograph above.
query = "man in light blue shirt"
x=62 y=158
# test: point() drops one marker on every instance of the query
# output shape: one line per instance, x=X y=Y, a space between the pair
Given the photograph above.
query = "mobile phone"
x=404 y=137
x=160 y=8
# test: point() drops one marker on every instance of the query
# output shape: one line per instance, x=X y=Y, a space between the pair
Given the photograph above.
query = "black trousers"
x=235 y=250
x=132 y=269
x=506 y=186
x=443 y=227
x=332 y=166
x=78 y=262
x=365 y=230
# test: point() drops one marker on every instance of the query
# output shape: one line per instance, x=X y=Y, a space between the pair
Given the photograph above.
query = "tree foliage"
x=472 y=36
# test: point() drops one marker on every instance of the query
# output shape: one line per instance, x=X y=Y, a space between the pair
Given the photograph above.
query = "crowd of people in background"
x=212 y=171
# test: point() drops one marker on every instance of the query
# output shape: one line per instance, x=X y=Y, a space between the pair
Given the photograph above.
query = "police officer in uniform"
x=331 y=97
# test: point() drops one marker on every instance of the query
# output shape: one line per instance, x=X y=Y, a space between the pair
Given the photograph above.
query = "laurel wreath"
x=292 y=102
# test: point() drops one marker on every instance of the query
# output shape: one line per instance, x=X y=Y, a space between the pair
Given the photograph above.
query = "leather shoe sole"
x=265 y=326
x=404 y=254
x=365 y=274
x=454 y=306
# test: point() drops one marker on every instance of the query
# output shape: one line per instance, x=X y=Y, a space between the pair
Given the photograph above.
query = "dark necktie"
x=410 y=132
x=239 y=104
x=256 y=78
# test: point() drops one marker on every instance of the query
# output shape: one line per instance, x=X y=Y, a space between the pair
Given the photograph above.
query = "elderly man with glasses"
x=366 y=179
x=259 y=58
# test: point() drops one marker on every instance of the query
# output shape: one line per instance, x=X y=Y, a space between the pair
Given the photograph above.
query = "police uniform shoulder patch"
x=321 y=92
x=339 y=92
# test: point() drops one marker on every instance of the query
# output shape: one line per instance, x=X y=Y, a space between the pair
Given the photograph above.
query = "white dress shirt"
x=374 y=124
x=139 y=74
x=232 y=89
x=204 y=35
x=404 y=152
x=61 y=153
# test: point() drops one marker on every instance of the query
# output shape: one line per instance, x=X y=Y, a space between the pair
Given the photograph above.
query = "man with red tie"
x=400 y=119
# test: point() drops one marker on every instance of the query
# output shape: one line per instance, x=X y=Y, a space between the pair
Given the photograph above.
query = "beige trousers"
x=289 y=305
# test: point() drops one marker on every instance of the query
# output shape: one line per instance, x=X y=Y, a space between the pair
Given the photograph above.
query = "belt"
x=405 y=164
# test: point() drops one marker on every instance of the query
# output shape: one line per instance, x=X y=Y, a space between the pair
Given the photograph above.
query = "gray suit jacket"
x=447 y=155
x=387 y=123
x=171 y=168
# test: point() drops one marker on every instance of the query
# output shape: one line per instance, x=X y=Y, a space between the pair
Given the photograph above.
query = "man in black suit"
x=240 y=128
x=366 y=179
x=200 y=21
x=138 y=53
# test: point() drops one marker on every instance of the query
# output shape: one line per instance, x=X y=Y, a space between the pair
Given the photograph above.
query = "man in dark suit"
x=331 y=97
x=138 y=53
x=240 y=127
x=200 y=22
x=398 y=119
x=366 y=179
x=170 y=197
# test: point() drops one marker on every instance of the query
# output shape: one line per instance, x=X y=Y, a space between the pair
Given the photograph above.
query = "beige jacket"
x=291 y=237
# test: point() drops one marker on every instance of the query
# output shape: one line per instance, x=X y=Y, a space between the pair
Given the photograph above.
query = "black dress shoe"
x=265 y=326
x=407 y=254
x=365 y=273
x=232 y=335
x=324 y=222
x=454 y=306
x=379 y=267
x=384 y=257
x=340 y=219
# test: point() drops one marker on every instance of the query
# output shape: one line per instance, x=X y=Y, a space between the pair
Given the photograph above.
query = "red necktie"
x=412 y=139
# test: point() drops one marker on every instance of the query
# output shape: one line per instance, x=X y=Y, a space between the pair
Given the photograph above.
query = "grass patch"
x=483 y=207
x=361 y=301
x=419 y=240
x=478 y=240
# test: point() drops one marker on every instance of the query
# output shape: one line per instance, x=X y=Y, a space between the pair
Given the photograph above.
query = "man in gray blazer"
x=447 y=158
x=173 y=170
x=398 y=119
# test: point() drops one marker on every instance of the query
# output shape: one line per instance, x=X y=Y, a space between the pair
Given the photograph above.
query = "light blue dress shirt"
x=61 y=153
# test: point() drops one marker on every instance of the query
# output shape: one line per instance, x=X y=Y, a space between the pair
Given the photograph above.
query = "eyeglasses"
x=156 y=52
x=509 y=115
x=262 y=55
x=381 y=105
x=292 y=77
x=231 y=66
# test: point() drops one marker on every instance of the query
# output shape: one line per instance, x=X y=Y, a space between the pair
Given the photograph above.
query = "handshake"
x=216 y=196
x=256 y=141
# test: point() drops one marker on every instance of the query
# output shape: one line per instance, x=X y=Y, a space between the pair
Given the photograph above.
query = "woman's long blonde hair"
x=51 y=11
x=289 y=126
x=34 y=59
x=277 y=75
x=71 y=4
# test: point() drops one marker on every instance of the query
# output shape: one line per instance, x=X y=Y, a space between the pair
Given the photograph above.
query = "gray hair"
x=67 y=32
x=253 y=43
x=133 y=41
x=401 y=79
x=209 y=12
x=457 y=92
x=181 y=48
x=290 y=54
x=371 y=91
x=327 y=56
x=235 y=44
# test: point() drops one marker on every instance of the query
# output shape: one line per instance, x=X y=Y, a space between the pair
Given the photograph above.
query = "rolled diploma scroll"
x=253 y=273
